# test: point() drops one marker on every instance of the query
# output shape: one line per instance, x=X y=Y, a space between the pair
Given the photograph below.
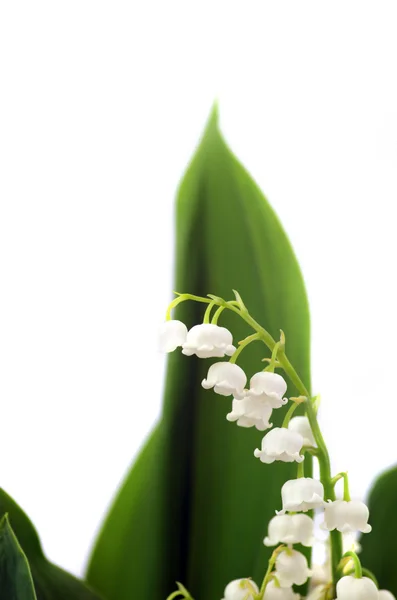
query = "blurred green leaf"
x=379 y=548
x=195 y=506
x=15 y=578
x=51 y=582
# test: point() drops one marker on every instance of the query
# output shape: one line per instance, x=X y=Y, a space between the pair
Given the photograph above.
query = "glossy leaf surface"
x=50 y=582
x=379 y=548
x=16 y=581
x=195 y=506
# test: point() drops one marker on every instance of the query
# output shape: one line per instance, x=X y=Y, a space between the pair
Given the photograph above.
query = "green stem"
x=243 y=344
x=207 y=313
x=369 y=574
x=183 y=298
x=358 y=571
x=273 y=359
x=289 y=414
x=326 y=480
x=301 y=470
x=268 y=573
x=217 y=314
x=323 y=456
x=346 y=490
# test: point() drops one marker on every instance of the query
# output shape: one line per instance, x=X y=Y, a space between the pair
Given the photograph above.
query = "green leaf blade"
x=379 y=547
x=16 y=581
x=50 y=582
x=214 y=498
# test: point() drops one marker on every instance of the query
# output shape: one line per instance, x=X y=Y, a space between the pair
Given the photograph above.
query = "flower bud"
x=275 y=592
x=355 y=588
x=301 y=425
x=240 y=589
x=291 y=568
x=280 y=444
x=346 y=517
x=172 y=334
x=301 y=495
x=290 y=529
x=385 y=595
x=250 y=412
x=208 y=340
x=226 y=378
x=269 y=387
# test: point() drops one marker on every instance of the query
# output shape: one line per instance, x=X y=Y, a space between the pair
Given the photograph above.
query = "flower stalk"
x=297 y=436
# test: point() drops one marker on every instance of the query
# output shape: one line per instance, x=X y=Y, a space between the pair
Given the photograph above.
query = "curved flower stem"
x=366 y=573
x=346 y=490
x=296 y=402
x=301 y=469
x=217 y=314
x=207 y=313
x=322 y=455
x=220 y=310
x=268 y=573
x=273 y=361
x=358 y=571
x=243 y=344
x=182 y=298
x=181 y=591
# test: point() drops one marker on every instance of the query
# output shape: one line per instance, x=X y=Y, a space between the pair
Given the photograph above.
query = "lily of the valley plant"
x=343 y=577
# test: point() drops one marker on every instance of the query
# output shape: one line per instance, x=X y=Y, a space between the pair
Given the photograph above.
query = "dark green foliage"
x=379 y=548
x=195 y=506
x=50 y=582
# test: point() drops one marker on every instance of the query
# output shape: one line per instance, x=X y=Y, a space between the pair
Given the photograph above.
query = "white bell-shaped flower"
x=280 y=444
x=290 y=529
x=269 y=387
x=385 y=595
x=251 y=412
x=346 y=517
x=240 y=589
x=208 y=341
x=292 y=568
x=301 y=495
x=275 y=592
x=172 y=334
x=226 y=378
x=354 y=588
x=301 y=425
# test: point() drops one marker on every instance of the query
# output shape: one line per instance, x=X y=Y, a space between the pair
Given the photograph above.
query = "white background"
x=101 y=106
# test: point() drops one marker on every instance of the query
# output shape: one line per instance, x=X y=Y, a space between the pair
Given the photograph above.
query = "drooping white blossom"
x=240 y=589
x=301 y=425
x=385 y=595
x=171 y=335
x=354 y=588
x=250 y=412
x=269 y=387
x=280 y=444
x=290 y=529
x=226 y=378
x=301 y=495
x=291 y=568
x=208 y=341
x=346 y=517
x=275 y=592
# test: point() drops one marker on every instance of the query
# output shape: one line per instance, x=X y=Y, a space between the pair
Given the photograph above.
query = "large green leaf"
x=15 y=577
x=51 y=582
x=379 y=548
x=195 y=506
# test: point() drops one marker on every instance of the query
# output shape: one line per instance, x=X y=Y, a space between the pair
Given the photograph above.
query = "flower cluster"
x=252 y=406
